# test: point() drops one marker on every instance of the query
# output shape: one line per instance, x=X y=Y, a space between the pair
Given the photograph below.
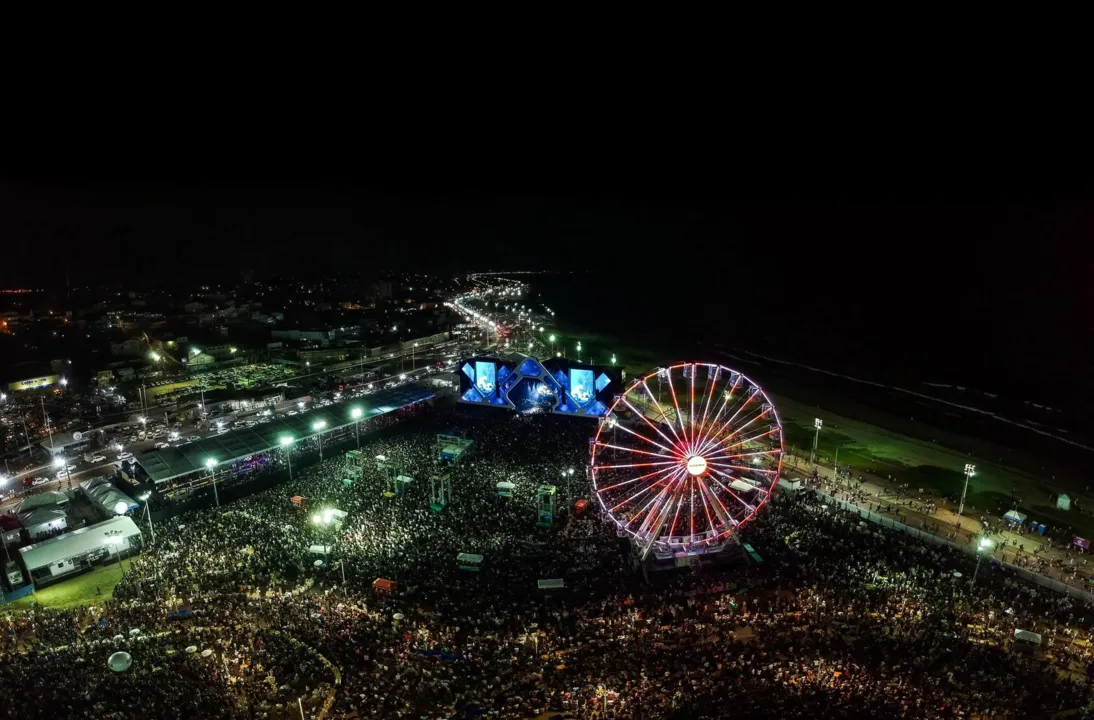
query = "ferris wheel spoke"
x=728 y=423
x=664 y=416
x=710 y=394
x=636 y=450
x=634 y=465
x=652 y=509
x=759 y=453
x=624 y=428
x=676 y=405
x=725 y=438
x=725 y=516
x=655 y=473
x=691 y=506
x=676 y=515
x=754 y=438
x=747 y=506
x=647 y=420
x=641 y=492
x=706 y=507
x=726 y=397
x=691 y=405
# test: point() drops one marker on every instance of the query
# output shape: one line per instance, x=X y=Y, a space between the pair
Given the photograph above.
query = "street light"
x=286 y=441
x=356 y=414
x=154 y=355
x=148 y=514
x=970 y=470
x=318 y=427
x=817 y=425
x=984 y=544
x=64 y=381
x=210 y=463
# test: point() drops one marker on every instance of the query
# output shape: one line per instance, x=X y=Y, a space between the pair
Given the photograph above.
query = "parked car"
x=39 y=481
x=125 y=455
x=162 y=445
x=193 y=438
x=97 y=458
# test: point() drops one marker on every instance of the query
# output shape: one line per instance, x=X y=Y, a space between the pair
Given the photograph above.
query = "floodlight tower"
x=817 y=425
x=970 y=470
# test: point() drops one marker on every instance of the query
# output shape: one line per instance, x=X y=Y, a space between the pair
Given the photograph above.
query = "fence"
x=1027 y=575
x=16 y=594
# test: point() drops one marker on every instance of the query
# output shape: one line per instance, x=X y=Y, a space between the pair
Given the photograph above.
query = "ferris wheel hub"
x=697 y=465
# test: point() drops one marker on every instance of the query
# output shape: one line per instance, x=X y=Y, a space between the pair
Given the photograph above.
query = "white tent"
x=1028 y=636
x=1015 y=517
x=1063 y=502
x=43 y=521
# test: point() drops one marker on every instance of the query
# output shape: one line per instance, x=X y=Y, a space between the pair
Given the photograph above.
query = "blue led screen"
x=582 y=386
x=485 y=379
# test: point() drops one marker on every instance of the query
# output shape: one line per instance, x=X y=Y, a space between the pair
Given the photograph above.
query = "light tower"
x=970 y=470
x=817 y=425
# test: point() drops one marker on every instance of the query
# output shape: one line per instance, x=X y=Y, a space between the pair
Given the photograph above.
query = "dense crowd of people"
x=840 y=619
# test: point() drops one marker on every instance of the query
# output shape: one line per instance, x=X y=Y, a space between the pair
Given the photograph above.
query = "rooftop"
x=169 y=463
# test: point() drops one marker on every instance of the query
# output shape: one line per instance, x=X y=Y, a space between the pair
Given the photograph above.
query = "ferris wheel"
x=686 y=457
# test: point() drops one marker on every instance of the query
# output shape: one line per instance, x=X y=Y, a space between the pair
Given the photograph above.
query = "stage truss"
x=686 y=458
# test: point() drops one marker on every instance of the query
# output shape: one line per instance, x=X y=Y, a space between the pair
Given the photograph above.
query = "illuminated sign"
x=34 y=383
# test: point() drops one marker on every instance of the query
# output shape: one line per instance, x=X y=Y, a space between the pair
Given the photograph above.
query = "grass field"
x=74 y=592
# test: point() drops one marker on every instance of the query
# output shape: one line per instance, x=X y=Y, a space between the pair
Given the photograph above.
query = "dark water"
x=914 y=357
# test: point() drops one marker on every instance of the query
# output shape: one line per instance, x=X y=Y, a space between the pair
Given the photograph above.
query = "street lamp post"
x=356 y=414
x=817 y=424
x=210 y=463
x=286 y=441
x=148 y=515
x=318 y=427
x=984 y=544
x=552 y=339
x=579 y=351
x=970 y=470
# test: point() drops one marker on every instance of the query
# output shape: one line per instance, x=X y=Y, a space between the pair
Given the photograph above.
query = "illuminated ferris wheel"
x=686 y=457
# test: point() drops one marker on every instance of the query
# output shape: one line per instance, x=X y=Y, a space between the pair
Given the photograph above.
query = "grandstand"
x=170 y=463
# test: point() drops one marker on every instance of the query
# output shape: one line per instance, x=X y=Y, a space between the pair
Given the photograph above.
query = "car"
x=161 y=445
x=125 y=455
x=223 y=430
x=98 y=458
x=193 y=438
x=42 y=480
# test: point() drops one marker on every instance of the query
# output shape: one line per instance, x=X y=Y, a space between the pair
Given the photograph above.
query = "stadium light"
x=64 y=381
x=356 y=413
x=318 y=427
x=984 y=544
x=970 y=470
x=154 y=355
x=58 y=462
x=210 y=463
x=817 y=425
x=286 y=441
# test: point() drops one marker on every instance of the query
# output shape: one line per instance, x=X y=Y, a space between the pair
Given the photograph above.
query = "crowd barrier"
x=1024 y=573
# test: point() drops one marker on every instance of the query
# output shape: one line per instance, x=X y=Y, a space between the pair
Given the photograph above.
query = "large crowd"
x=235 y=611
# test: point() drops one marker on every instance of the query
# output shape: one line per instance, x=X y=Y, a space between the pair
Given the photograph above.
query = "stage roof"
x=169 y=463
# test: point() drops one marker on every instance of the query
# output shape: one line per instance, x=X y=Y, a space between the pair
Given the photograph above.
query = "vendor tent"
x=1027 y=636
x=44 y=499
x=1015 y=517
x=103 y=495
x=43 y=521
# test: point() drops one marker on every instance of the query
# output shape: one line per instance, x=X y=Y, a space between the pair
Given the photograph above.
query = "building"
x=72 y=552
